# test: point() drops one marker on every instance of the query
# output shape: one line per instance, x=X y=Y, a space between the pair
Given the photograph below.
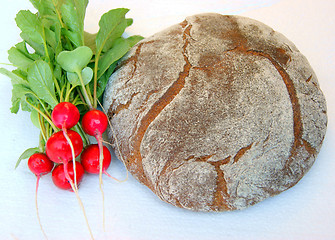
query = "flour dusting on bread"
x=216 y=113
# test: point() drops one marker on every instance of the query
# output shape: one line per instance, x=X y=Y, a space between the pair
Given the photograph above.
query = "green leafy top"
x=58 y=61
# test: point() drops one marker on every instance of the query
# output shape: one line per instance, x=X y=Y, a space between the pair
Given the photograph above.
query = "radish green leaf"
x=87 y=74
x=119 y=49
x=111 y=26
x=16 y=79
x=40 y=79
x=73 y=12
x=75 y=60
x=26 y=154
x=30 y=25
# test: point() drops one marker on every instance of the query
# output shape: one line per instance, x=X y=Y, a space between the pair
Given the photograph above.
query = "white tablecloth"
x=133 y=212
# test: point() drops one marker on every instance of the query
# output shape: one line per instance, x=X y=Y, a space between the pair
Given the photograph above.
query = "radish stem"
x=43 y=115
x=95 y=79
x=42 y=127
x=67 y=97
x=86 y=96
x=79 y=130
x=41 y=144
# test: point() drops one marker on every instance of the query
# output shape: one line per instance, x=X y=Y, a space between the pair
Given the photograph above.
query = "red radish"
x=90 y=159
x=39 y=164
x=59 y=178
x=94 y=122
x=58 y=148
x=65 y=115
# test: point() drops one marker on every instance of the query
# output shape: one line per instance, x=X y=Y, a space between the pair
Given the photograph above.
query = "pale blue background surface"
x=133 y=212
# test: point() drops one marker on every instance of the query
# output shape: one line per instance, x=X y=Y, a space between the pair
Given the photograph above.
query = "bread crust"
x=216 y=113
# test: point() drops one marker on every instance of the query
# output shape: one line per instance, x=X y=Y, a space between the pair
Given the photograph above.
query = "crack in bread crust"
x=158 y=107
x=221 y=195
x=121 y=107
x=297 y=120
x=241 y=152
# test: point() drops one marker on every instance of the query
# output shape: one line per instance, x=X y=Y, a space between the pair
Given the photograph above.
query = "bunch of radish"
x=65 y=145
x=60 y=73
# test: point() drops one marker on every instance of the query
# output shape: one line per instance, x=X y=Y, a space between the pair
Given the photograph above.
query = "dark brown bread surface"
x=216 y=113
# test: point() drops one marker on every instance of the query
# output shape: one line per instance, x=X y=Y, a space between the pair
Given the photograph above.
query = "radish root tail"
x=36 y=204
x=67 y=176
x=116 y=141
x=114 y=178
x=98 y=137
x=73 y=156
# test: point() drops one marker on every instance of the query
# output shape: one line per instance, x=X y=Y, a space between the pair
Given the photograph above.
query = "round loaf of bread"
x=216 y=113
